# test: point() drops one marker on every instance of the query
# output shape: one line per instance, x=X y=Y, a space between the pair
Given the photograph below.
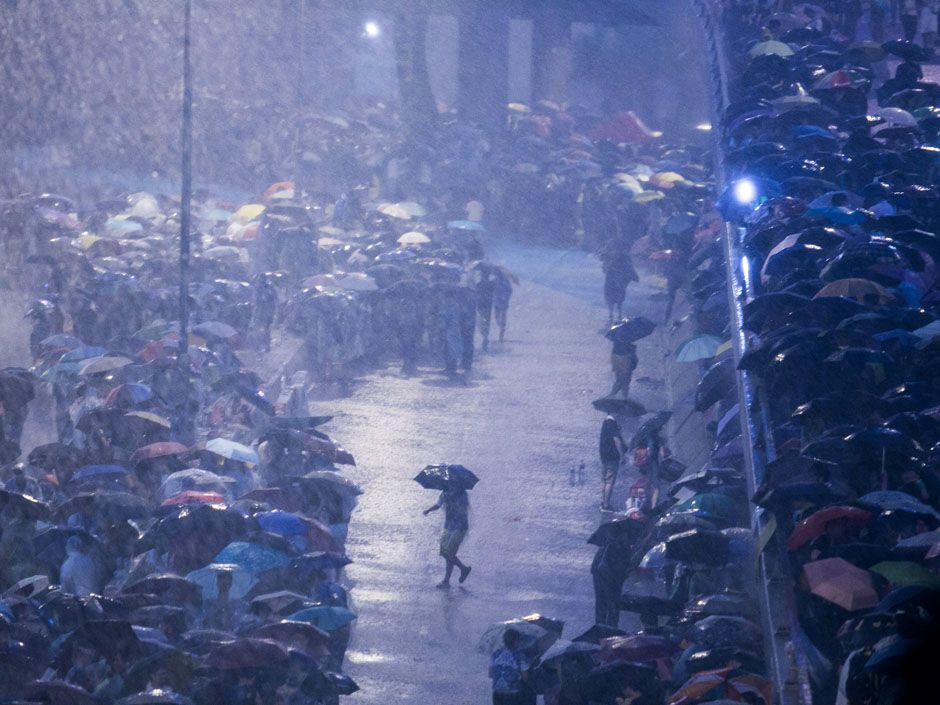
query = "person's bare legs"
x=449 y=571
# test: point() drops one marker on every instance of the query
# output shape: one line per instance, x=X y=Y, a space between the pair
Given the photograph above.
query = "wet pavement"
x=522 y=420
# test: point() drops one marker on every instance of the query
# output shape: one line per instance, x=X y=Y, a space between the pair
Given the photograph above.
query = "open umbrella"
x=232 y=450
x=838 y=581
x=246 y=654
x=254 y=557
x=630 y=330
x=31 y=507
x=532 y=635
x=701 y=347
x=329 y=618
x=907 y=573
x=619 y=529
x=443 y=476
x=616 y=405
x=208 y=580
x=815 y=524
x=99 y=365
x=157 y=450
x=563 y=649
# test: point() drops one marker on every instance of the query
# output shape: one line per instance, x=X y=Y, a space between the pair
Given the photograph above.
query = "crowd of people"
x=182 y=537
x=833 y=186
x=178 y=533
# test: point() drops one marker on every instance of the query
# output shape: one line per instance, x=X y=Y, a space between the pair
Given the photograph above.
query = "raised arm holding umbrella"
x=453 y=481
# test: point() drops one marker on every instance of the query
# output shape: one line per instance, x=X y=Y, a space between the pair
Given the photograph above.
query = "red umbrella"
x=158 y=450
x=815 y=524
x=840 y=582
x=192 y=497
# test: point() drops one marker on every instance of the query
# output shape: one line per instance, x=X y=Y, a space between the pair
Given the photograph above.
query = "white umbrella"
x=414 y=238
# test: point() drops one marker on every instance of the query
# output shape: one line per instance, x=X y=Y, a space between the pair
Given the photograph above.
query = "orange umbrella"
x=841 y=583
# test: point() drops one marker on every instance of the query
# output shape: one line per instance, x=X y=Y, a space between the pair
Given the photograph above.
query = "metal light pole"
x=301 y=93
x=185 y=420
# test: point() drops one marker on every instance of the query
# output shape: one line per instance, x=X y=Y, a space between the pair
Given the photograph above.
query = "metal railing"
x=786 y=664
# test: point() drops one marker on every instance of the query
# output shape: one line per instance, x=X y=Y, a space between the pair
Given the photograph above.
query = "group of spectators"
x=832 y=192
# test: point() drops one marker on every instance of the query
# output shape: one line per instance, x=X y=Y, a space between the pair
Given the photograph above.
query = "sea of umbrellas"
x=833 y=181
x=183 y=538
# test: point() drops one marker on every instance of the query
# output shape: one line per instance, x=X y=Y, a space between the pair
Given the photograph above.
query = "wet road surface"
x=522 y=420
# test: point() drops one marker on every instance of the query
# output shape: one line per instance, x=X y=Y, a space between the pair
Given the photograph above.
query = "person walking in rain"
x=263 y=310
x=485 y=291
x=502 y=293
x=618 y=273
x=456 y=505
x=612 y=447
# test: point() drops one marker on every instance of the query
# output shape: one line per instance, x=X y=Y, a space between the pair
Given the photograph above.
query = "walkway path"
x=522 y=421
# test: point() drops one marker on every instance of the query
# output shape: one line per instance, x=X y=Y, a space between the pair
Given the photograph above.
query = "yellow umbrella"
x=247 y=212
x=649 y=196
x=629 y=181
x=518 y=108
x=86 y=240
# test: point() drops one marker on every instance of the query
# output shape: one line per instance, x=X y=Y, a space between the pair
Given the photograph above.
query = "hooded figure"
x=78 y=574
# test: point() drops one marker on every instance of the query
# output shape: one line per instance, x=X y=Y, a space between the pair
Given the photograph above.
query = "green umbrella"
x=905 y=573
x=710 y=505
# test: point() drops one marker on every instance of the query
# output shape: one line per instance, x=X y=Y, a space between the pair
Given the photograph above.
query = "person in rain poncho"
x=79 y=573
x=456 y=505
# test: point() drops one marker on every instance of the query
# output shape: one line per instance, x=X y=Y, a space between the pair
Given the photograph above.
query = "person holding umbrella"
x=453 y=481
x=612 y=447
x=623 y=357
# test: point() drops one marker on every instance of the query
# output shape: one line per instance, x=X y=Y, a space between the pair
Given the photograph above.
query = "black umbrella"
x=907 y=50
x=599 y=632
x=615 y=405
x=649 y=428
x=698 y=547
x=619 y=529
x=629 y=330
x=611 y=681
x=444 y=476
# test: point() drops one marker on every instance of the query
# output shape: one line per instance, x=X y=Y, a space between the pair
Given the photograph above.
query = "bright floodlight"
x=372 y=29
x=745 y=192
x=704 y=127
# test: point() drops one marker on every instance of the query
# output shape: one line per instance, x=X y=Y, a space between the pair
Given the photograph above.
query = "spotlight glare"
x=372 y=29
x=745 y=192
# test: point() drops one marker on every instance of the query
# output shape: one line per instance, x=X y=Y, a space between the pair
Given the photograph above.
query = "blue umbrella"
x=282 y=523
x=326 y=617
x=90 y=471
x=838 y=215
x=891 y=501
x=63 y=369
x=232 y=450
x=85 y=352
x=321 y=560
x=254 y=557
x=59 y=340
x=701 y=347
